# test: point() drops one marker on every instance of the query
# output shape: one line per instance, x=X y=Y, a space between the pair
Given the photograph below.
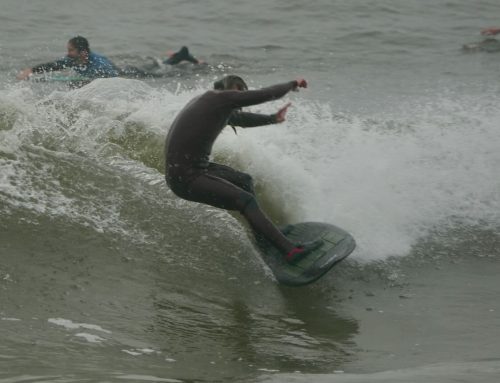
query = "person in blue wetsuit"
x=80 y=59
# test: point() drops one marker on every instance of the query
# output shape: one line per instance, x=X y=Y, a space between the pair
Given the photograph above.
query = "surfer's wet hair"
x=230 y=82
x=80 y=43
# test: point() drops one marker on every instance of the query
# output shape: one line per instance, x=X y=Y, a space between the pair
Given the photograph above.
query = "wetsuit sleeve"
x=237 y=99
x=249 y=120
x=52 y=66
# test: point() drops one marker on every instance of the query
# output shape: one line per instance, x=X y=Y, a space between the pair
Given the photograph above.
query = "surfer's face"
x=75 y=54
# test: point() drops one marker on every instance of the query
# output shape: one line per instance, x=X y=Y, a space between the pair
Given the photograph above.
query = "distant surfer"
x=490 y=31
x=80 y=59
x=489 y=44
x=189 y=143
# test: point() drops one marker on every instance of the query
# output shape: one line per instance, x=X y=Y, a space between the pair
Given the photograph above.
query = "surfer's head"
x=230 y=82
x=78 y=48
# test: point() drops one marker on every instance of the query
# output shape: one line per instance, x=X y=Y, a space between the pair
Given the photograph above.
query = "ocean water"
x=106 y=276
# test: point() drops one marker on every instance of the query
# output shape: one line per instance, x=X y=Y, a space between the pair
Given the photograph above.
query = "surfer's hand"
x=301 y=83
x=490 y=31
x=280 y=115
x=24 y=74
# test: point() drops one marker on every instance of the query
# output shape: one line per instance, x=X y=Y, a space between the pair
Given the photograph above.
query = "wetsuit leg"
x=218 y=192
x=182 y=55
x=240 y=179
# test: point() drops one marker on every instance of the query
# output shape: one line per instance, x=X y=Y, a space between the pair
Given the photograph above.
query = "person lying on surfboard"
x=490 y=44
x=190 y=174
x=79 y=58
x=91 y=65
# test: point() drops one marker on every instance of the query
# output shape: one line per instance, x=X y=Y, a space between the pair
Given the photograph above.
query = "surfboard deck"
x=57 y=78
x=338 y=244
x=71 y=81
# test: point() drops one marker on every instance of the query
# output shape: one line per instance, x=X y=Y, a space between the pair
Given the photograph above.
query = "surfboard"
x=338 y=244
x=58 y=78
x=490 y=45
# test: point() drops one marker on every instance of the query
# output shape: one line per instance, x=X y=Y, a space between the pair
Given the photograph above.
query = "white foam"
x=388 y=179
x=141 y=351
x=91 y=338
x=70 y=325
x=267 y=370
x=147 y=351
x=66 y=125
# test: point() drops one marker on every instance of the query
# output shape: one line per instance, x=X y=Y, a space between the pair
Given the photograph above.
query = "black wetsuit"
x=189 y=143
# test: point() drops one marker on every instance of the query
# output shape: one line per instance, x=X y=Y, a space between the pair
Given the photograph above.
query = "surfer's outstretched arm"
x=53 y=66
x=238 y=99
x=250 y=120
x=47 y=67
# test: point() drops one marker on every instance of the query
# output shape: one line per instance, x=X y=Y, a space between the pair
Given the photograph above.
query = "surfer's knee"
x=180 y=189
x=247 y=181
x=246 y=201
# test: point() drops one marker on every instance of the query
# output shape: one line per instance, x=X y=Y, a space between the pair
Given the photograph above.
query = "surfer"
x=489 y=44
x=79 y=58
x=490 y=31
x=91 y=65
x=191 y=176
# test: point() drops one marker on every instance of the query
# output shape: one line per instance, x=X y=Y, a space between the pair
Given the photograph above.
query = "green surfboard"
x=338 y=244
x=59 y=78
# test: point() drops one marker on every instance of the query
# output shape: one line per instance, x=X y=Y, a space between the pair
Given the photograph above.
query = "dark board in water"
x=338 y=244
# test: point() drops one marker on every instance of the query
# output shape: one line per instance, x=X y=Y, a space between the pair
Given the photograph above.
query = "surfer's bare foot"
x=299 y=252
